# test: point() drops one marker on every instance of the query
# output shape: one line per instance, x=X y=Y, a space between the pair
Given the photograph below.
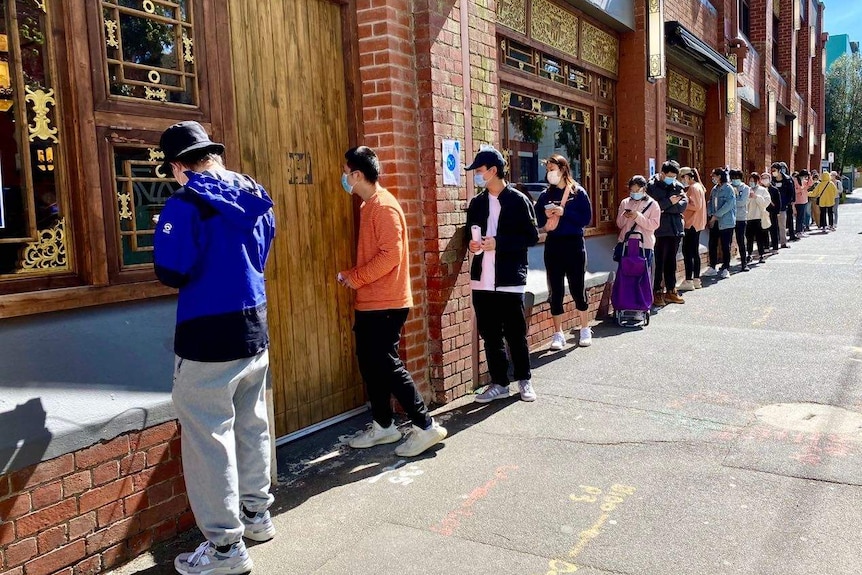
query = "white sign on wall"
x=451 y=163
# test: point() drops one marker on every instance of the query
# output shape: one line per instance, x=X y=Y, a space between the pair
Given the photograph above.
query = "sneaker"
x=709 y=272
x=421 y=439
x=526 y=389
x=493 y=392
x=673 y=297
x=745 y=268
x=258 y=526
x=762 y=260
x=208 y=560
x=687 y=285
x=725 y=273
x=586 y=338
x=785 y=247
x=658 y=299
x=748 y=260
x=375 y=435
x=697 y=283
x=558 y=342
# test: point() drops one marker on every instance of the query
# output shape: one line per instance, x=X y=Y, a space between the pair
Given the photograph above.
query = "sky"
x=843 y=17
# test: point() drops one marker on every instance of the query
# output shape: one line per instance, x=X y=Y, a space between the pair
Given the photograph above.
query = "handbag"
x=554 y=221
x=618 y=249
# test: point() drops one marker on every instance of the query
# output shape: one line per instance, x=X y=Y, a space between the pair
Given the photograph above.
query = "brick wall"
x=88 y=511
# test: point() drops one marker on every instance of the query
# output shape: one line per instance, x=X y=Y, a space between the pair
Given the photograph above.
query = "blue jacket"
x=212 y=242
x=577 y=214
x=741 y=194
x=722 y=205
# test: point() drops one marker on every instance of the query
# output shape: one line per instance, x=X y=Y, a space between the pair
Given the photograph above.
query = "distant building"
x=837 y=46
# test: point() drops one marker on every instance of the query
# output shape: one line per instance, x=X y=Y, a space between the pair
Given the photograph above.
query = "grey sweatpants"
x=221 y=407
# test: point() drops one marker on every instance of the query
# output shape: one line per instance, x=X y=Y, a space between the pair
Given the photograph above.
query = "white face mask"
x=765 y=183
x=479 y=180
x=554 y=177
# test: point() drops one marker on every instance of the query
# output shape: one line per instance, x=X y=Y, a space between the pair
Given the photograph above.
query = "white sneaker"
x=558 y=342
x=709 y=272
x=258 y=527
x=725 y=274
x=687 y=285
x=586 y=339
x=420 y=440
x=526 y=389
x=376 y=435
x=207 y=560
x=493 y=392
x=697 y=283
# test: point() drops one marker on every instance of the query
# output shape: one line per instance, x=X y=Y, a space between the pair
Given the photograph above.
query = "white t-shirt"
x=489 y=261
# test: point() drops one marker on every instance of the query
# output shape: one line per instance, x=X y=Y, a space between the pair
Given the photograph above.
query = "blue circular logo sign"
x=450 y=162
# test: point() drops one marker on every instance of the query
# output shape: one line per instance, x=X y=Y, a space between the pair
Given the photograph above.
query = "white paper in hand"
x=476 y=233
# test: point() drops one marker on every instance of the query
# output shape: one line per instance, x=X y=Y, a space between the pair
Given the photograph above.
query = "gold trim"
x=746 y=119
x=188 y=44
x=599 y=48
x=46 y=253
x=149 y=7
x=554 y=26
x=111 y=34
x=125 y=205
x=536 y=105
x=156 y=155
x=40 y=4
x=155 y=94
x=698 y=97
x=513 y=14
x=677 y=87
x=154 y=76
x=587 y=119
x=41 y=127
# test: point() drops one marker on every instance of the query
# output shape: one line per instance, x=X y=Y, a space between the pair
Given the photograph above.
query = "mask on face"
x=479 y=180
x=554 y=177
x=752 y=183
x=764 y=182
x=737 y=183
x=639 y=195
x=715 y=181
x=347 y=187
x=669 y=181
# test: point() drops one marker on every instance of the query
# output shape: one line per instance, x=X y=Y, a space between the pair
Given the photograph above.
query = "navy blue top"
x=577 y=214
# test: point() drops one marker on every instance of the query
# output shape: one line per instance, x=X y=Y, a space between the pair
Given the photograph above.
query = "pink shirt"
x=802 y=191
x=646 y=223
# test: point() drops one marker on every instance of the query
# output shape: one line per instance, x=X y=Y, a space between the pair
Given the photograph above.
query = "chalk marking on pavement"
x=453 y=519
x=404 y=477
x=766 y=313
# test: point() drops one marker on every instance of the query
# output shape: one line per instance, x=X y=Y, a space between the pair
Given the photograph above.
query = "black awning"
x=678 y=35
x=787 y=112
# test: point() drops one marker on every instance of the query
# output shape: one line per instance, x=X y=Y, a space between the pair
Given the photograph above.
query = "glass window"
x=679 y=148
x=775 y=25
x=745 y=17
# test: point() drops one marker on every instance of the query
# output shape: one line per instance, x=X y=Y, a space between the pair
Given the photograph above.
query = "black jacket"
x=672 y=224
x=775 y=199
x=787 y=191
x=516 y=231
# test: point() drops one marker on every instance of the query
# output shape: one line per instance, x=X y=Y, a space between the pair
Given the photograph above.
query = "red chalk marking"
x=453 y=520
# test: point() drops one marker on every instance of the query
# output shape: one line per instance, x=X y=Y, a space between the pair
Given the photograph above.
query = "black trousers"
x=791 y=224
x=691 y=253
x=826 y=217
x=499 y=317
x=740 y=242
x=754 y=231
x=378 y=334
x=773 y=230
x=725 y=237
x=666 y=248
x=566 y=259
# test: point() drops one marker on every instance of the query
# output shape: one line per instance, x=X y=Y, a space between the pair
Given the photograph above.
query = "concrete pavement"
x=706 y=443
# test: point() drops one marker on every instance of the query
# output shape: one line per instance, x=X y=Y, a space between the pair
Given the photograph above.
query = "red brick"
x=77 y=483
x=154 y=435
x=46 y=495
x=176 y=448
x=158 y=454
x=112 y=535
x=21 y=552
x=50 y=470
x=44 y=518
x=114 y=555
x=140 y=543
x=56 y=560
x=89 y=566
x=171 y=508
x=135 y=503
x=101 y=496
x=92 y=456
x=7 y=534
x=161 y=492
x=110 y=513
x=52 y=538
x=155 y=475
x=185 y=522
x=15 y=507
x=106 y=472
x=5 y=489
x=83 y=525
x=15 y=571
x=164 y=531
x=133 y=463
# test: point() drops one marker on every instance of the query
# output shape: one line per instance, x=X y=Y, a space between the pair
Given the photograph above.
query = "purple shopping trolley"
x=631 y=295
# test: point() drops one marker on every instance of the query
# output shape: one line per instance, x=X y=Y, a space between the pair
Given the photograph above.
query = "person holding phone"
x=671 y=198
x=721 y=211
x=694 y=217
x=567 y=202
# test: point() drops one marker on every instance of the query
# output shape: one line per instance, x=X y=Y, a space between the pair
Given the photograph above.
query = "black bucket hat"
x=183 y=138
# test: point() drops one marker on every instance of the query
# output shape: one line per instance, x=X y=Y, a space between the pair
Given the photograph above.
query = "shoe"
x=258 y=526
x=658 y=299
x=558 y=342
x=725 y=273
x=375 y=435
x=748 y=260
x=421 y=439
x=673 y=297
x=785 y=247
x=493 y=392
x=526 y=389
x=709 y=272
x=208 y=560
x=762 y=260
x=687 y=285
x=745 y=269
x=697 y=283
x=586 y=338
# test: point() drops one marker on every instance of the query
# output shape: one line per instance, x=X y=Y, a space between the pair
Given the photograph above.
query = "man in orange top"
x=381 y=279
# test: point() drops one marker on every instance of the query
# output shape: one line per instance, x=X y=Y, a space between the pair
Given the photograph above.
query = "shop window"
x=34 y=235
x=745 y=17
x=538 y=63
x=680 y=148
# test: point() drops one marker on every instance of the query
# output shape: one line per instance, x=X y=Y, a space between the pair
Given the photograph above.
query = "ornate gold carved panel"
x=554 y=26
x=677 y=87
x=599 y=48
x=746 y=120
x=48 y=252
x=698 y=97
x=513 y=14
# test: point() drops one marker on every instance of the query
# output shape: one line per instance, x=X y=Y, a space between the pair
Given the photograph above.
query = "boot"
x=673 y=297
x=658 y=299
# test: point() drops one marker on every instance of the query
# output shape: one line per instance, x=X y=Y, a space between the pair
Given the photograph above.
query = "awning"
x=678 y=35
x=788 y=114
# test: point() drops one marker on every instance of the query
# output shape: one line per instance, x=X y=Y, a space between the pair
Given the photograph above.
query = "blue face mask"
x=669 y=181
x=479 y=180
x=637 y=195
x=736 y=183
x=347 y=187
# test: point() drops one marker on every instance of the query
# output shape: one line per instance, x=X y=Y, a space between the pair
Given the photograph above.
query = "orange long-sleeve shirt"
x=382 y=273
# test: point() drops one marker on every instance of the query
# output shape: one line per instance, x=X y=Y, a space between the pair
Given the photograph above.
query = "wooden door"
x=291 y=117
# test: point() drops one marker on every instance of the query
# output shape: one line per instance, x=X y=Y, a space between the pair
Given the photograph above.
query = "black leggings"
x=691 y=253
x=740 y=242
x=725 y=236
x=566 y=259
x=754 y=231
x=665 y=262
x=824 y=213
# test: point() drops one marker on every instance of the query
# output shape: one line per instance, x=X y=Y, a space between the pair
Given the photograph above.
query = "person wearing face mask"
x=786 y=196
x=506 y=223
x=671 y=198
x=813 y=208
x=801 y=183
x=788 y=192
x=721 y=211
x=381 y=279
x=565 y=252
x=825 y=195
x=758 y=200
x=743 y=195
x=839 y=186
x=694 y=219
